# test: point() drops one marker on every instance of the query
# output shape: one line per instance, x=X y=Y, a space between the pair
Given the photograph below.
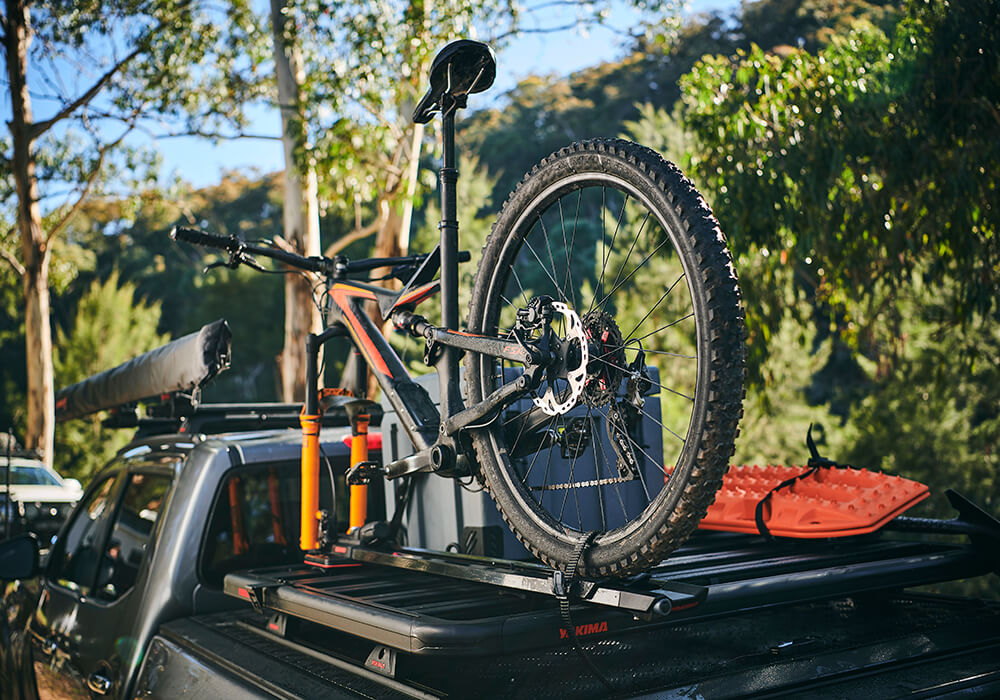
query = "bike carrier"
x=436 y=603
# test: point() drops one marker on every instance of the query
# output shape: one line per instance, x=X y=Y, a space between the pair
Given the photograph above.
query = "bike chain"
x=581 y=484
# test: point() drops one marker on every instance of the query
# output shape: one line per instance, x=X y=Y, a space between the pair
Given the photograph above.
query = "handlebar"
x=210 y=240
x=334 y=267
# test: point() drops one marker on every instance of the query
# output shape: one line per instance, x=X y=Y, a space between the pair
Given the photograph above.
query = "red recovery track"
x=831 y=502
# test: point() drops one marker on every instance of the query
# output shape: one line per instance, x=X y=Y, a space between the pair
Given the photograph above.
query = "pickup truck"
x=179 y=574
x=132 y=603
x=150 y=541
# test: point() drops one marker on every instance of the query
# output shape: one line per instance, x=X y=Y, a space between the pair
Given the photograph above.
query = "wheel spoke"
x=638 y=446
x=647 y=351
x=653 y=308
x=634 y=270
x=624 y=369
x=635 y=240
x=662 y=328
x=567 y=248
x=542 y=265
x=555 y=273
x=607 y=252
x=519 y=285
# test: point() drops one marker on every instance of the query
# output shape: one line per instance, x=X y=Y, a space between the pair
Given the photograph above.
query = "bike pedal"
x=363 y=472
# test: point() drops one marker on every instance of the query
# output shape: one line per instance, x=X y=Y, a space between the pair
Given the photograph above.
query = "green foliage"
x=662 y=131
x=936 y=417
x=778 y=413
x=135 y=241
x=111 y=326
x=365 y=67
x=112 y=67
x=544 y=113
x=863 y=162
x=856 y=186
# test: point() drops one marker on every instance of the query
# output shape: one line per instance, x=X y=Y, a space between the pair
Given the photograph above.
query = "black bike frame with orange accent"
x=432 y=429
x=435 y=431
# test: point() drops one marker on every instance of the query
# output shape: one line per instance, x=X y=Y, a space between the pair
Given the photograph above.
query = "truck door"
x=82 y=627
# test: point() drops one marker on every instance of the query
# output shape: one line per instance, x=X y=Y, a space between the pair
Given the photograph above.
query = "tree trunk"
x=412 y=174
x=393 y=238
x=34 y=243
x=301 y=212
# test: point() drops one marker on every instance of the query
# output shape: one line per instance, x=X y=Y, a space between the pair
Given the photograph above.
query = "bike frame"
x=434 y=431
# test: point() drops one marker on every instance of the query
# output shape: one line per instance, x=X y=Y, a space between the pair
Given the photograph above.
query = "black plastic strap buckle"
x=559 y=589
x=815 y=463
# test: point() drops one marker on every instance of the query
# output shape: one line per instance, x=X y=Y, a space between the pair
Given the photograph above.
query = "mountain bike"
x=604 y=345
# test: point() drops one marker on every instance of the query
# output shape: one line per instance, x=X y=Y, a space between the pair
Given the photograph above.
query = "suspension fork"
x=310 y=420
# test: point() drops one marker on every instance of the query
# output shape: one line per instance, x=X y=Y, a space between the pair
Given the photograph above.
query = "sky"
x=201 y=163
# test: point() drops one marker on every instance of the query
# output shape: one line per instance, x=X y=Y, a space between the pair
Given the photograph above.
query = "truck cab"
x=151 y=540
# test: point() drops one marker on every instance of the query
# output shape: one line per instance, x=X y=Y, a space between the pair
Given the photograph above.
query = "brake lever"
x=212 y=266
x=250 y=262
x=236 y=258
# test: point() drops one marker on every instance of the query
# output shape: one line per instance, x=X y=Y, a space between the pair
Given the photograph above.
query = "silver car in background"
x=39 y=499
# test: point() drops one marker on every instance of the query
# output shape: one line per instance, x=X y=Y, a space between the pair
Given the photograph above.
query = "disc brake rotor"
x=553 y=402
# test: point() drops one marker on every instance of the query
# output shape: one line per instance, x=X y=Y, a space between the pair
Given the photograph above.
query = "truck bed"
x=877 y=645
x=822 y=619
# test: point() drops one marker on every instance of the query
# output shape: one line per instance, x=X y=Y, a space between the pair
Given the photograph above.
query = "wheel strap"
x=562 y=587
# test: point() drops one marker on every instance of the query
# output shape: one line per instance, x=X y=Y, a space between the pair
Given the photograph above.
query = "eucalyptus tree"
x=82 y=78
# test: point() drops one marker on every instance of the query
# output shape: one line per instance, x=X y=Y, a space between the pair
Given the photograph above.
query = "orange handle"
x=359 y=493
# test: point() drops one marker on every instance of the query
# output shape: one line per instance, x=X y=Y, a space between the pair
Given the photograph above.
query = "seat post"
x=451 y=401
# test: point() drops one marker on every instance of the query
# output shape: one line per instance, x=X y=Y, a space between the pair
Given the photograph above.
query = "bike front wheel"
x=630 y=440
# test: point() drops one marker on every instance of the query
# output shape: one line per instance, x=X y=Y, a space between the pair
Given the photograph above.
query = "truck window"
x=255 y=520
x=74 y=564
x=130 y=534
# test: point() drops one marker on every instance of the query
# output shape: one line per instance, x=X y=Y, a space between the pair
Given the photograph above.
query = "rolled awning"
x=183 y=365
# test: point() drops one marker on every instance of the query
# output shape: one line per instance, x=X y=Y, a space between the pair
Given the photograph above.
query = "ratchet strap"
x=814 y=464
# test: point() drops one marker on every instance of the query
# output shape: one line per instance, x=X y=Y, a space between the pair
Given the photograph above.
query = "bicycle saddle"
x=460 y=69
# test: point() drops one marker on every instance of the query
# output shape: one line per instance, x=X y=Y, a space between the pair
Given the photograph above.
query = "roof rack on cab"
x=167 y=381
x=175 y=415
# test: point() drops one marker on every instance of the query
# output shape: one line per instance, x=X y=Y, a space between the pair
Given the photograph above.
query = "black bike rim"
x=544 y=204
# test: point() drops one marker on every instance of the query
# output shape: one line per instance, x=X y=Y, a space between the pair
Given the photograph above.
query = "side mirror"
x=18 y=557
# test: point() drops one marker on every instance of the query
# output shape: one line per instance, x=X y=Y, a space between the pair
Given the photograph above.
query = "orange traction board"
x=831 y=502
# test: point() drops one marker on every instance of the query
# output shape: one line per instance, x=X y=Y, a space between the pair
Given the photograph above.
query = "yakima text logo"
x=584 y=630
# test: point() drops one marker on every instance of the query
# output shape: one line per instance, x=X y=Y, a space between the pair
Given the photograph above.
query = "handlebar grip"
x=211 y=240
